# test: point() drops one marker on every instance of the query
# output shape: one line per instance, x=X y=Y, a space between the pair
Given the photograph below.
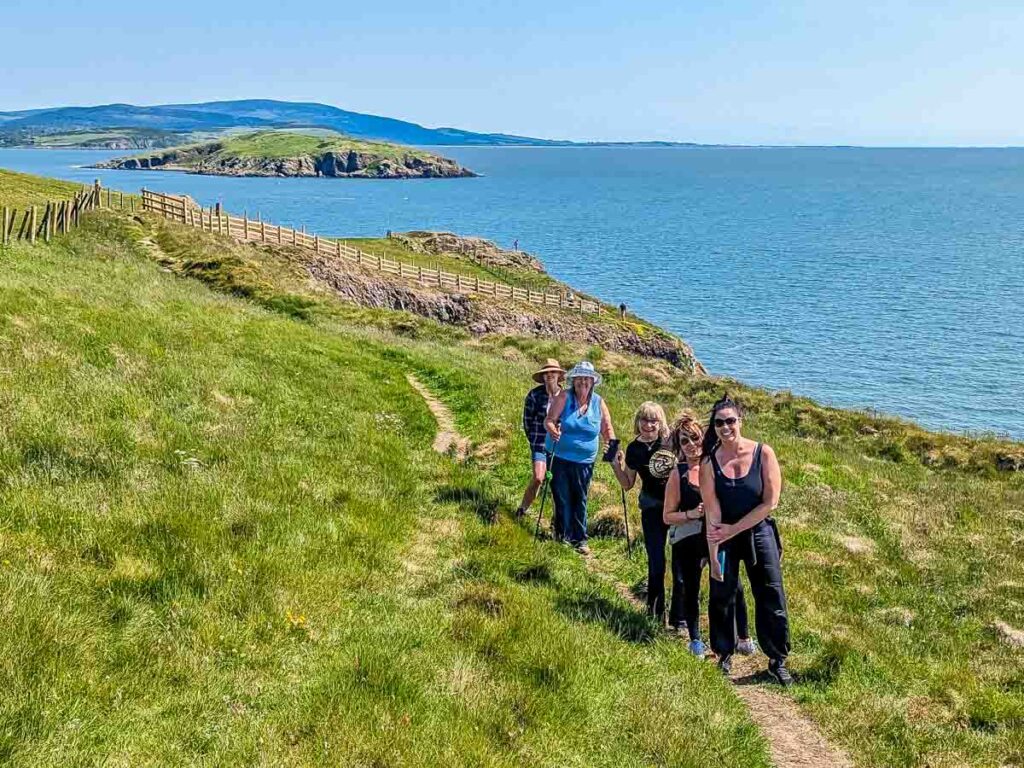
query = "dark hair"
x=711 y=441
x=686 y=422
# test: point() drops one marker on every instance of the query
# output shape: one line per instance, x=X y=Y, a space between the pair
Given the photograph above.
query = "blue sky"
x=946 y=72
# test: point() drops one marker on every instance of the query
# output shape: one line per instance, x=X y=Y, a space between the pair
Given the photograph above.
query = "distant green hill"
x=288 y=153
x=247 y=113
x=220 y=116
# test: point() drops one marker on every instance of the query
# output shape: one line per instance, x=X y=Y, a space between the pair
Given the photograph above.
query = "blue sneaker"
x=698 y=649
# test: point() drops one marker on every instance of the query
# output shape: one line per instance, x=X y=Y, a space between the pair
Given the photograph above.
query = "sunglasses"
x=645 y=420
x=685 y=440
x=727 y=422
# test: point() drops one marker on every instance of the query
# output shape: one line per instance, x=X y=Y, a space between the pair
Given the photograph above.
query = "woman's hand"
x=555 y=430
x=720 y=532
x=696 y=513
x=620 y=459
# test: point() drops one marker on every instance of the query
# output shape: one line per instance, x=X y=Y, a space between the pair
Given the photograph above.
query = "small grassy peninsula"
x=286 y=153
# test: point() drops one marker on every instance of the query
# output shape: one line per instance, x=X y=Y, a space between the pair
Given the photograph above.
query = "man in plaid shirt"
x=535 y=410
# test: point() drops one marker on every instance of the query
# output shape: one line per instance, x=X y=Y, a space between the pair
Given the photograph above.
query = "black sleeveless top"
x=689 y=494
x=738 y=497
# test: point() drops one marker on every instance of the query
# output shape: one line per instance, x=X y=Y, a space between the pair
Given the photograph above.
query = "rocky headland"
x=283 y=153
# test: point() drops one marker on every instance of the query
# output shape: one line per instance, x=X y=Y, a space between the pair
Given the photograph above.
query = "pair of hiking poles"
x=550 y=460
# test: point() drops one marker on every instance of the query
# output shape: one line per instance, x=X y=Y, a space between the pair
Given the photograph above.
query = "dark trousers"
x=655 y=536
x=570 y=483
x=759 y=551
x=689 y=557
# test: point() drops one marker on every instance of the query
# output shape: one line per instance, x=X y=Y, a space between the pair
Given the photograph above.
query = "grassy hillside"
x=280 y=144
x=20 y=190
x=112 y=138
x=225 y=539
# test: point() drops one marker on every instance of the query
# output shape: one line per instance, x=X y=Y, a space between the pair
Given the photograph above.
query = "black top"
x=653 y=462
x=689 y=494
x=738 y=497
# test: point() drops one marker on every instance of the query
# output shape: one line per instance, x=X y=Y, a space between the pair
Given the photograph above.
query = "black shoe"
x=725 y=665
x=777 y=669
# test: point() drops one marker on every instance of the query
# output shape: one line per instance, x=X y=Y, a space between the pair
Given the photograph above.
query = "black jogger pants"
x=758 y=549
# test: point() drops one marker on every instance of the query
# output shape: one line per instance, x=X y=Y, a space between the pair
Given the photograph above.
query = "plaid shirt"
x=535 y=410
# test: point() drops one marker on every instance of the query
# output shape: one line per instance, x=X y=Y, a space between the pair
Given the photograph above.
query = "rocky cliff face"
x=370 y=289
x=205 y=159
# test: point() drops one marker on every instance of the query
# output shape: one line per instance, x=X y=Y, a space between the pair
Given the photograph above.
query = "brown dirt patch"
x=447 y=440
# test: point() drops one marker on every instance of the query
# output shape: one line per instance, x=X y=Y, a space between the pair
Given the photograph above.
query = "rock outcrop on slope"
x=472 y=249
x=484 y=316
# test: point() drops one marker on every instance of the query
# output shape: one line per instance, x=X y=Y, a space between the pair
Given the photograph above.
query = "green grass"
x=895 y=644
x=183 y=468
x=20 y=190
x=98 y=138
x=394 y=249
x=224 y=540
x=280 y=144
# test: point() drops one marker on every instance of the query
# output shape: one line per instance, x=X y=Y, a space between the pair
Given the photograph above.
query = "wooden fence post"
x=3 y=228
x=32 y=226
x=245 y=224
x=263 y=231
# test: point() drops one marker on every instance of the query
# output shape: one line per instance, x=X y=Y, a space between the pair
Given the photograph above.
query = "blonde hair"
x=686 y=423
x=649 y=410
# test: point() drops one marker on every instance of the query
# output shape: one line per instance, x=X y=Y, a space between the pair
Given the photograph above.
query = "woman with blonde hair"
x=649 y=457
x=684 y=512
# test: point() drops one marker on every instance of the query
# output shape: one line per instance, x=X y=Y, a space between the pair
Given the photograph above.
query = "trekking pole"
x=625 y=518
x=544 y=490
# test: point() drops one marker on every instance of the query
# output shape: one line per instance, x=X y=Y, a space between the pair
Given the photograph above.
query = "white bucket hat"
x=584 y=369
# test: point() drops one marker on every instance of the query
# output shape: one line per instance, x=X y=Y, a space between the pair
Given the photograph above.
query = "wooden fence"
x=56 y=217
x=242 y=228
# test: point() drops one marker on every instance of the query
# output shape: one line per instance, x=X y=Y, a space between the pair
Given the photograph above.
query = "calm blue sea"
x=890 y=279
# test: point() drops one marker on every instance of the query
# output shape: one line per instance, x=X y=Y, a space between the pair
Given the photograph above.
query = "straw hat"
x=551 y=365
x=584 y=369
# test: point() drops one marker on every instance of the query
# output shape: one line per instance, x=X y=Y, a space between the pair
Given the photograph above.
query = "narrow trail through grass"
x=447 y=438
x=793 y=739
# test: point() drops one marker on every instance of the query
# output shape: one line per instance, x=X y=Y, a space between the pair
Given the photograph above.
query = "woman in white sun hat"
x=578 y=419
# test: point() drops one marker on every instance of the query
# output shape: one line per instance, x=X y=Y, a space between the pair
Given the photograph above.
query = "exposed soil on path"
x=793 y=739
x=447 y=440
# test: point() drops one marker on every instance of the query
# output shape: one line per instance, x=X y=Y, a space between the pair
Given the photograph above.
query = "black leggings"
x=655 y=536
x=688 y=558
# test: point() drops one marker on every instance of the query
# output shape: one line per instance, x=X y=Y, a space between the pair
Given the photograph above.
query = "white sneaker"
x=746 y=647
